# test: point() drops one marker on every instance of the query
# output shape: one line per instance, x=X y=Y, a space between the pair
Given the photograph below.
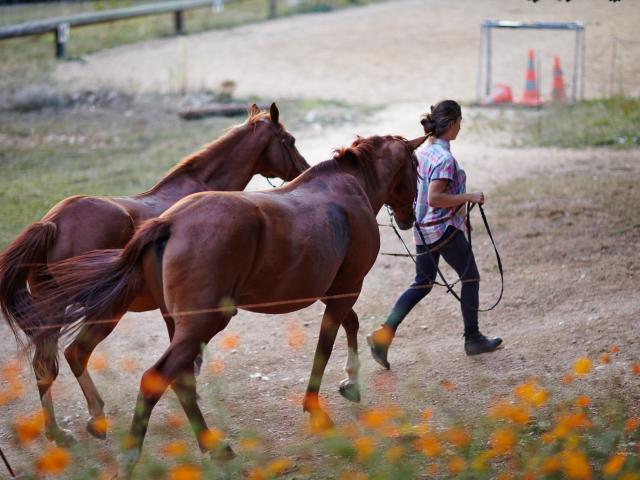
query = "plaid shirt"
x=435 y=161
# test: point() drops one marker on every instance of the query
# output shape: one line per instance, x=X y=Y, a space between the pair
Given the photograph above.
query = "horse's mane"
x=205 y=152
x=258 y=116
x=362 y=148
x=361 y=153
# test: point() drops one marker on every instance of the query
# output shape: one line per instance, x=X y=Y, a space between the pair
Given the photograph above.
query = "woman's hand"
x=476 y=197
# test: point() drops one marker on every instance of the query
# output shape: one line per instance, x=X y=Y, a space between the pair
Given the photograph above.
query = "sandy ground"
x=569 y=292
x=388 y=52
x=570 y=289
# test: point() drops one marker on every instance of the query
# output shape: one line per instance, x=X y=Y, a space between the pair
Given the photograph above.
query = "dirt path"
x=570 y=291
x=383 y=53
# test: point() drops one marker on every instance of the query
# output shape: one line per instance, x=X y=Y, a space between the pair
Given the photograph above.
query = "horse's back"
x=86 y=223
x=267 y=247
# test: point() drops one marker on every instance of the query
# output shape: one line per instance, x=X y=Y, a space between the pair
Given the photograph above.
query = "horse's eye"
x=293 y=141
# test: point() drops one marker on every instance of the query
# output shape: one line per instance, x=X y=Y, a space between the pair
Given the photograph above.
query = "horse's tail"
x=91 y=286
x=25 y=256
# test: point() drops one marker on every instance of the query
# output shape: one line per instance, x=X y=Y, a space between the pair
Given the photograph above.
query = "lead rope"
x=449 y=289
x=410 y=255
x=275 y=186
x=6 y=463
x=439 y=272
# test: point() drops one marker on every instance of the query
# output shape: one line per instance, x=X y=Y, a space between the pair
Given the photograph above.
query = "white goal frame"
x=483 y=84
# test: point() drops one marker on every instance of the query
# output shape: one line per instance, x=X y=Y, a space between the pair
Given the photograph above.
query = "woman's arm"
x=439 y=199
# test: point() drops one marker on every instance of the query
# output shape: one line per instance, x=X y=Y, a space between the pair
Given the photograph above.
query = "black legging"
x=453 y=246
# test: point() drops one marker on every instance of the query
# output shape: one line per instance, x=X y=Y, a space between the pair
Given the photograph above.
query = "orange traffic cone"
x=557 y=92
x=501 y=94
x=531 y=94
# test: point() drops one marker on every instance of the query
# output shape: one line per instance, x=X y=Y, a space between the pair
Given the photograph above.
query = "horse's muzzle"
x=405 y=224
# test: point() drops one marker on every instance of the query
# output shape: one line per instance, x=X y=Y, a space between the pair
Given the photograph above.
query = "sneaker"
x=478 y=343
x=379 y=342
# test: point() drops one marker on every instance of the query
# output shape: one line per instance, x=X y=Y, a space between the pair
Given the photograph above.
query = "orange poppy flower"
x=54 y=461
x=582 y=366
x=28 y=427
x=185 y=472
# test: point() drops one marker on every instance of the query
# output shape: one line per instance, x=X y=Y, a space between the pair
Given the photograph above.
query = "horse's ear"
x=254 y=110
x=275 y=114
x=416 y=142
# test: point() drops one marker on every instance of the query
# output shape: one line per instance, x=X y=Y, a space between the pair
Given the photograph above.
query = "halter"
x=286 y=147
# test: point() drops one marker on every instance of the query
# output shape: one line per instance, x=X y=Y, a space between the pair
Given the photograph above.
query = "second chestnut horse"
x=271 y=252
x=80 y=224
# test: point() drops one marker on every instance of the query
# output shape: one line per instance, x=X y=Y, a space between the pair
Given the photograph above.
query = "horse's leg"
x=45 y=367
x=77 y=355
x=171 y=326
x=185 y=388
x=350 y=387
x=333 y=316
x=176 y=362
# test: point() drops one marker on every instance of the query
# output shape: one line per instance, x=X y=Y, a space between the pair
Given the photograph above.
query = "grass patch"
x=119 y=148
x=29 y=59
x=613 y=122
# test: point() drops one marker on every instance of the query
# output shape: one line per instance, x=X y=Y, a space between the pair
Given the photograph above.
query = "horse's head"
x=280 y=157
x=402 y=193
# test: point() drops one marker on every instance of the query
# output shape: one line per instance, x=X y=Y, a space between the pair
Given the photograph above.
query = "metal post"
x=62 y=36
x=582 y=63
x=613 y=66
x=576 y=66
x=480 y=76
x=272 y=9
x=489 y=60
x=178 y=21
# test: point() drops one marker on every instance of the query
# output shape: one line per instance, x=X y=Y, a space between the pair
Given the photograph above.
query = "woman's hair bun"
x=426 y=119
x=441 y=117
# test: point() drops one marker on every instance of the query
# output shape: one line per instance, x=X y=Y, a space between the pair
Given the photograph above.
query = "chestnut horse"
x=83 y=223
x=271 y=252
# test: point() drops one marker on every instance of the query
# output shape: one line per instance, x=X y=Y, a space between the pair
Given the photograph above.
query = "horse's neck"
x=375 y=183
x=225 y=165
x=326 y=171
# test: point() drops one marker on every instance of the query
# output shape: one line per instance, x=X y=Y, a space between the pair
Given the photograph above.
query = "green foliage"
x=116 y=149
x=613 y=122
x=533 y=433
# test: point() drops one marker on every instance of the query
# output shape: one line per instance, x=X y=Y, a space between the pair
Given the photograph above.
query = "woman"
x=440 y=214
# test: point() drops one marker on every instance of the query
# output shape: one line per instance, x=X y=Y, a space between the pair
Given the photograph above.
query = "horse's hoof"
x=349 y=390
x=223 y=453
x=62 y=438
x=97 y=427
x=319 y=421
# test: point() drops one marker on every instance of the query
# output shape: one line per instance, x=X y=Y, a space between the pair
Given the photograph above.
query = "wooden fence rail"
x=61 y=26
